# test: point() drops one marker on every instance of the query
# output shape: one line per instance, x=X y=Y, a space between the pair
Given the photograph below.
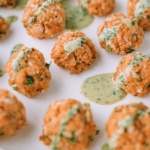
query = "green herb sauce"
x=108 y=34
x=21 y=5
x=141 y=7
x=16 y=49
x=11 y=19
x=125 y=123
x=17 y=61
x=100 y=89
x=106 y=147
x=77 y=18
x=71 y=46
x=1 y=73
x=127 y=21
x=73 y=111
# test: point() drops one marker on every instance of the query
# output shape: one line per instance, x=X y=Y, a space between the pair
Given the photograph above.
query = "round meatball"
x=98 y=7
x=28 y=72
x=133 y=74
x=3 y=27
x=119 y=34
x=44 y=19
x=8 y=3
x=68 y=125
x=140 y=9
x=128 y=127
x=74 y=52
x=12 y=114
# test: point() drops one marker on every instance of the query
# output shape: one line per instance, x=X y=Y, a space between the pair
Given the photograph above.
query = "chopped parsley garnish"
x=48 y=65
x=97 y=132
x=30 y=80
x=1 y=73
x=132 y=50
x=133 y=23
x=1 y=133
x=145 y=144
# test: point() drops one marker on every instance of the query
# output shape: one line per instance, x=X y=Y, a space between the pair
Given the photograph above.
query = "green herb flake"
x=48 y=65
x=86 y=104
x=132 y=50
x=97 y=132
x=30 y=80
x=1 y=133
x=146 y=144
x=133 y=23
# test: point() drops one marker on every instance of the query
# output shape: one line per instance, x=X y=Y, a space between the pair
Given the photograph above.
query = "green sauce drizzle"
x=100 y=89
x=73 y=111
x=141 y=7
x=106 y=147
x=108 y=34
x=77 y=18
x=11 y=19
x=17 y=61
x=16 y=49
x=71 y=46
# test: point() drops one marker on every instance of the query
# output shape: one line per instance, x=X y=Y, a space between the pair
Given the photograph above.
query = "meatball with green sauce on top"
x=44 y=18
x=128 y=127
x=98 y=7
x=133 y=74
x=73 y=51
x=140 y=10
x=12 y=114
x=8 y=3
x=28 y=72
x=68 y=125
x=3 y=27
x=120 y=34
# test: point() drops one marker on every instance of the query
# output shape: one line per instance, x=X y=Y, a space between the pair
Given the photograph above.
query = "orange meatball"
x=28 y=72
x=140 y=9
x=119 y=34
x=68 y=125
x=12 y=114
x=43 y=19
x=3 y=27
x=128 y=127
x=74 y=51
x=133 y=74
x=8 y=3
x=98 y=7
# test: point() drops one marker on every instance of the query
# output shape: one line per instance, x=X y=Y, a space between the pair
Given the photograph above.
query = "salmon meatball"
x=8 y=3
x=133 y=74
x=128 y=127
x=68 y=125
x=3 y=27
x=44 y=19
x=98 y=7
x=28 y=72
x=12 y=114
x=140 y=10
x=74 y=52
x=119 y=34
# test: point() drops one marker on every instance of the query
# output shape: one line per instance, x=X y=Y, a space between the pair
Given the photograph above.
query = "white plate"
x=63 y=85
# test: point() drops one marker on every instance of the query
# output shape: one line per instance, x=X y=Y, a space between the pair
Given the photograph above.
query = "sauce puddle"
x=106 y=147
x=76 y=17
x=100 y=89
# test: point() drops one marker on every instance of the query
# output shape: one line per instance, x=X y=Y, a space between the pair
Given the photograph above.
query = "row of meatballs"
x=46 y=19
x=118 y=34
x=69 y=125
x=30 y=75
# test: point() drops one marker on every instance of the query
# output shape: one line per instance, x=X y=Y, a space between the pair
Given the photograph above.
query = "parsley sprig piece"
x=132 y=50
x=30 y=80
